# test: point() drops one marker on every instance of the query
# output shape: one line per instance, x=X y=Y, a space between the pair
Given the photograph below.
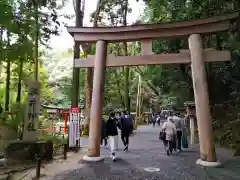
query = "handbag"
x=162 y=135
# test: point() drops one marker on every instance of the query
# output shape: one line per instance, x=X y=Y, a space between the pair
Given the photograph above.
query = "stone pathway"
x=146 y=160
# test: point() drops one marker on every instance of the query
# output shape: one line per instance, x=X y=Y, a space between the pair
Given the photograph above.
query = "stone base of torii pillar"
x=93 y=159
x=208 y=164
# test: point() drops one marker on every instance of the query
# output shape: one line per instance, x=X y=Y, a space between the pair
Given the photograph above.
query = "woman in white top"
x=170 y=129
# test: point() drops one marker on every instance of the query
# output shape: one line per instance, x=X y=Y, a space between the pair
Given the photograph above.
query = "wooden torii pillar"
x=97 y=102
x=197 y=56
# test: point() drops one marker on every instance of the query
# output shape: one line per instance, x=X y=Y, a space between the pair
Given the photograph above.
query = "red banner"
x=74 y=109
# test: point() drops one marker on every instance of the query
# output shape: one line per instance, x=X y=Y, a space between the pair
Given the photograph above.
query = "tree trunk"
x=36 y=75
x=127 y=70
x=1 y=58
x=8 y=72
x=19 y=86
x=7 y=93
x=149 y=84
x=88 y=80
x=1 y=44
x=184 y=70
x=88 y=98
x=138 y=104
x=89 y=71
x=119 y=88
x=210 y=75
x=76 y=55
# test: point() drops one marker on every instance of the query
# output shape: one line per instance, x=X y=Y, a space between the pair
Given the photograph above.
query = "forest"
x=26 y=27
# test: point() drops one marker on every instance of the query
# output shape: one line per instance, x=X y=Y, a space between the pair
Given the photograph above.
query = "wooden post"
x=97 y=102
x=38 y=167
x=137 y=104
x=192 y=130
x=207 y=150
x=141 y=118
x=191 y=113
x=146 y=49
x=65 y=149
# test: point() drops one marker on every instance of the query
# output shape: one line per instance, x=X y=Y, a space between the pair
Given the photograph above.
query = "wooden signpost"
x=74 y=127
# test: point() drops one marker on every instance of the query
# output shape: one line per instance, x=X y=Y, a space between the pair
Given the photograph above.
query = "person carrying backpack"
x=126 y=123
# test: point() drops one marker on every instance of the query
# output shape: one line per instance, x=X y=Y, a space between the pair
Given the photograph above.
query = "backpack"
x=127 y=122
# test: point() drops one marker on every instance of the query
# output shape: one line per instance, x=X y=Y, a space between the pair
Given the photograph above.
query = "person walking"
x=158 y=119
x=112 y=134
x=153 y=119
x=169 y=129
x=103 y=133
x=179 y=127
x=126 y=124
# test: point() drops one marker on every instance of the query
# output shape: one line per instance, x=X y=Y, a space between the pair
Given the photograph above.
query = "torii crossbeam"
x=183 y=57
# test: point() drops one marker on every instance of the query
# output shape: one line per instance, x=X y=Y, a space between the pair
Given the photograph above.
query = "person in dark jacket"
x=153 y=119
x=103 y=133
x=126 y=123
x=112 y=133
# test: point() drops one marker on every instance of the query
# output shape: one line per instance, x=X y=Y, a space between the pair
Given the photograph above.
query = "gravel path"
x=146 y=160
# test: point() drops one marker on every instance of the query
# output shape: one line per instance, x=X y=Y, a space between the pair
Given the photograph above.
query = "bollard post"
x=65 y=149
x=77 y=146
x=38 y=167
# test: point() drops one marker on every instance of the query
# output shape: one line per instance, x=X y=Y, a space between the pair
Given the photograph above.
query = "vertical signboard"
x=74 y=127
x=31 y=119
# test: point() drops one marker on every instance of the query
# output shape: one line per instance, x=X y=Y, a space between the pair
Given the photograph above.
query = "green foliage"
x=111 y=12
x=59 y=82
x=57 y=140
x=175 y=82
x=4 y=117
x=23 y=25
x=13 y=120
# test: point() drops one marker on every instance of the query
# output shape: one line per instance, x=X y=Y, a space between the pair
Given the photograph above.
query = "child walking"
x=112 y=133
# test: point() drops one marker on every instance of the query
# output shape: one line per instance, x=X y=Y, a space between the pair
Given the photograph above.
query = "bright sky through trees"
x=65 y=41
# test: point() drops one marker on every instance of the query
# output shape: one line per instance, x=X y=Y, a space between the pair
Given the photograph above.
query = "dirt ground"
x=47 y=170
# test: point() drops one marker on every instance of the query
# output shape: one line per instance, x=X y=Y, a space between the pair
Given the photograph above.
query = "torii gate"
x=145 y=33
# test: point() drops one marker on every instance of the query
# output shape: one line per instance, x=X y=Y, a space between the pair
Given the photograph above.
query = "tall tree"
x=8 y=72
x=88 y=48
x=76 y=54
x=126 y=69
